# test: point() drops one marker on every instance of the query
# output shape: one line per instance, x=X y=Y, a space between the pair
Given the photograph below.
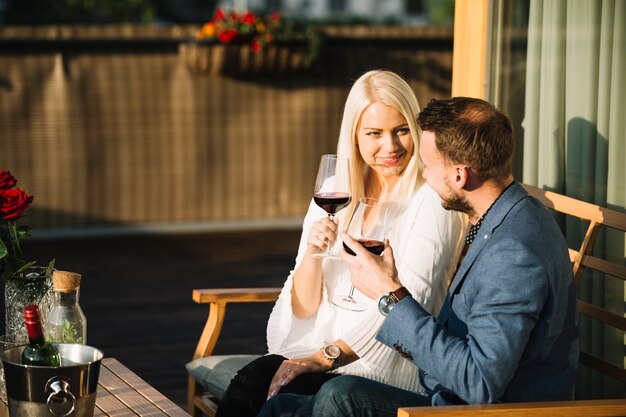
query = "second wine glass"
x=368 y=226
x=332 y=192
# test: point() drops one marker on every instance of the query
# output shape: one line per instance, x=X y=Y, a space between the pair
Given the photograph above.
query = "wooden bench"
x=589 y=408
x=582 y=258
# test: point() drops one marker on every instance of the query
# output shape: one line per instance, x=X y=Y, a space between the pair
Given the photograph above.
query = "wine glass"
x=331 y=195
x=367 y=226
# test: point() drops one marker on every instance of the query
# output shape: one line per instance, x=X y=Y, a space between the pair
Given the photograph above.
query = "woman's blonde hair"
x=390 y=89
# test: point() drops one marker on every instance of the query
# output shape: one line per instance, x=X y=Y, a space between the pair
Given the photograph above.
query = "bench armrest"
x=217 y=298
x=235 y=295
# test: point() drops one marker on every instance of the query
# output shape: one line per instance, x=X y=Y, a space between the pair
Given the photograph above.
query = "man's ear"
x=460 y=176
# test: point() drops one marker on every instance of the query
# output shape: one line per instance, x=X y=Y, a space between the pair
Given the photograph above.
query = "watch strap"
x=399 y=294
x=387 y=301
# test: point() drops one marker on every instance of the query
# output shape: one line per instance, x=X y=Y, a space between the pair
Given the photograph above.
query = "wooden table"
x=121 y=393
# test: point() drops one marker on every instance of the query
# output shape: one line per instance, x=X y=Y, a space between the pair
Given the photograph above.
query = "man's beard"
x=457 y=202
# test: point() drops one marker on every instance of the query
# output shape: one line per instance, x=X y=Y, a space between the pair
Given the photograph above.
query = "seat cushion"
x=214 y=373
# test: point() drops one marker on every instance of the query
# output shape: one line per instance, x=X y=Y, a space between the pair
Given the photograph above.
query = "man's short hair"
x=473 y=132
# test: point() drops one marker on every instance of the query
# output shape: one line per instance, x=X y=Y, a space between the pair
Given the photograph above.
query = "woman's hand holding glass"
x=322 y=234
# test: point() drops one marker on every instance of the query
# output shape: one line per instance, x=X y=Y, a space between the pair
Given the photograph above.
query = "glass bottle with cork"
x=66 y=321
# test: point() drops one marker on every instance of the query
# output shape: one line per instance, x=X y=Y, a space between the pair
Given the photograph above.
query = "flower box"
x=244 y=43
x=240 y=59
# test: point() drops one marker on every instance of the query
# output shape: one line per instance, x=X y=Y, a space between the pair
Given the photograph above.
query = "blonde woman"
x=310 y=340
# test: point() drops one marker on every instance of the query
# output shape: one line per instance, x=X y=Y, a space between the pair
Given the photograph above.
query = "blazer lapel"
x=495 y=217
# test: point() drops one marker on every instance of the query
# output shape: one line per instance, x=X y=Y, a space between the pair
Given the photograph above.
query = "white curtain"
x=575 y=140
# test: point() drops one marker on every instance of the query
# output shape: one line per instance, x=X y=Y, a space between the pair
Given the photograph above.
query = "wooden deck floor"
x=136 y=293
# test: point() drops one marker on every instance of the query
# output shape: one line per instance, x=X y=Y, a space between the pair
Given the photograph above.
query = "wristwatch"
x=388 y=301
x=332 y=353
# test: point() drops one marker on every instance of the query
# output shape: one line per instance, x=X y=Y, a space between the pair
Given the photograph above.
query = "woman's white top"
x=426 y=240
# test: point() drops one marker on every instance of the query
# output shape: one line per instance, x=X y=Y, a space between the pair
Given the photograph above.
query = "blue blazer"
x=508 y=330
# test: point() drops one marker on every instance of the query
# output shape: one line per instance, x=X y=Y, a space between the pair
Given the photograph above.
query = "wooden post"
x=469 y=56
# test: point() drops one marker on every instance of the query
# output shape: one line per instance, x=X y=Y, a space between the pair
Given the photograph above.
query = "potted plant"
x=245 y=42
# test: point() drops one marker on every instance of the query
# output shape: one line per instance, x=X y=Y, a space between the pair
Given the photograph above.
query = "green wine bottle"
x=38 y=352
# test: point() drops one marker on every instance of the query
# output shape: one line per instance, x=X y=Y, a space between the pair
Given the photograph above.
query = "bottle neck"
x=35 y=331
x=67 y=298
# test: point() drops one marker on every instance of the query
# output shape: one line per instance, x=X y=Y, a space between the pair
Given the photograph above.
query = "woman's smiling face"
x=384 y=140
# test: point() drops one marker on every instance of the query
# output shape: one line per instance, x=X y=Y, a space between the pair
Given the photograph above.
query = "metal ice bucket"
x=68 y=390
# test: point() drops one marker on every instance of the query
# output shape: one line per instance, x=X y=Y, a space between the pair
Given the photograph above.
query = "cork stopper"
x=65 y=281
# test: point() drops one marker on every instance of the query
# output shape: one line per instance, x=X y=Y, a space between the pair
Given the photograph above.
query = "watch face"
x=385 y=304
x=332 y=351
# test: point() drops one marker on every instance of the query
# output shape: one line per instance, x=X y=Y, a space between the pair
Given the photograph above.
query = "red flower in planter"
x=274 y=17
x=249 y=18
x=227 y=36
x=254 y=30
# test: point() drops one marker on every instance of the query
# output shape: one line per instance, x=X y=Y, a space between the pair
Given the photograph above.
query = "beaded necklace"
x=471 y=235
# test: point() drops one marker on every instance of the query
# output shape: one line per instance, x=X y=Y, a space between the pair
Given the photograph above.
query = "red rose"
x=255 y=46
x=7 y=180
x=13 y=203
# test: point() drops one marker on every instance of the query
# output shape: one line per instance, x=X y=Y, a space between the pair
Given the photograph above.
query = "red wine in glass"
x=374 y=246
x=331 y=202
x=368 y=226
x=332 y=191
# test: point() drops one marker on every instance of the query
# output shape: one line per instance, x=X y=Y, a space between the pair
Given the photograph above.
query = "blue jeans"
x=345 y=396
x=247 y=391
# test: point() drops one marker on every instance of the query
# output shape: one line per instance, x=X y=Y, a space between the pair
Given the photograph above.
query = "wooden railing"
x=107 y=126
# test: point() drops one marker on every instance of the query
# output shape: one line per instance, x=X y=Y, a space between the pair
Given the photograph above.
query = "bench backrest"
x=583 y=259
